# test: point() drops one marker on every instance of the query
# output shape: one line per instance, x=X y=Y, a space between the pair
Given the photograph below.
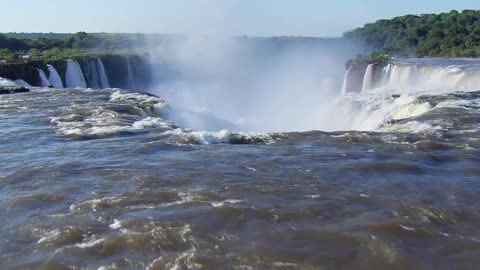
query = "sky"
x=318 y=18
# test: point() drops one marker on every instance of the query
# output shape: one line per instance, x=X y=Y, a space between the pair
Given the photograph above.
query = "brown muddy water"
x=101 y=179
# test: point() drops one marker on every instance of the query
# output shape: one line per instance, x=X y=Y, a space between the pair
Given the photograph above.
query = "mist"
x=251 y=84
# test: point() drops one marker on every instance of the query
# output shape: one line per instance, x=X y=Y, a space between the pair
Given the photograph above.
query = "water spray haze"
x=251 y=84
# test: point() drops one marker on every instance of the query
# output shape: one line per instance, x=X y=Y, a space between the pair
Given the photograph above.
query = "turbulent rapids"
x=385 y=176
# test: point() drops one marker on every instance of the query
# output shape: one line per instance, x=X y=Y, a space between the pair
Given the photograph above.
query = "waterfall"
x=95 y=75
x=400 y=77
x=408 y=77
x=102 y=74
x=22 y=83
x=130 y=78
x=43 y=78
x=74 y=76
x=386 y=74
x=91 y=74
x=54 y=78
x=367 y=79
x=345 y=81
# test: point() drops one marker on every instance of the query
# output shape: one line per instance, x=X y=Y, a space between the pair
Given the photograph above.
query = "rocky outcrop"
x=13 y=90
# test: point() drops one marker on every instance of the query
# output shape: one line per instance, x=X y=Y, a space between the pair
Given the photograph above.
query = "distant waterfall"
x=368 y=79
x=22 y=83
x=95 y=75
x=74 y=76
x=131 y=80
x=104 y=83
x=91 y=74
x=385 y=76
x=404 y=77
x=43 y=78
x=54 y=78
x=345 y=81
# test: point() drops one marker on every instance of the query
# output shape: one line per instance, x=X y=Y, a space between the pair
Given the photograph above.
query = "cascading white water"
x=44 y=82
x=345 y=81
x=22 y=83
x=411 y=78
x=406 y=78
x=74 y=76
x=420 y=76
x=7 y=83
x=95 y=74
x=386 y=74
x=92 y=74
x=368 y=79
x=54 y=77
x=131 y=80
x=104 y=83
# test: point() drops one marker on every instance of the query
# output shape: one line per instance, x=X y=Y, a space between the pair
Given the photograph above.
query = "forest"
x=60 y=46
x=453 y=34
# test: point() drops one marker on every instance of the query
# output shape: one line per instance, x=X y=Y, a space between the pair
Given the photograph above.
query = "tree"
x=446 y=34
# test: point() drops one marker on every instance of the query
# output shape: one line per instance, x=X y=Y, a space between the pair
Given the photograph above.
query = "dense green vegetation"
x=453 y=34
x=373 y=57
x=59 y=46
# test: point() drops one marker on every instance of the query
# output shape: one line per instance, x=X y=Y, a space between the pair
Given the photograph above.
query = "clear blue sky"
x=326 y=18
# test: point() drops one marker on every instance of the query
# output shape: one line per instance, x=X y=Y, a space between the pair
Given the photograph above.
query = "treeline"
x=15 y=45
x=23 y=35
x=453 y=34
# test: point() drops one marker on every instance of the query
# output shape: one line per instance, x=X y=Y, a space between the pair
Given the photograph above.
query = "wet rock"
x=13 y=90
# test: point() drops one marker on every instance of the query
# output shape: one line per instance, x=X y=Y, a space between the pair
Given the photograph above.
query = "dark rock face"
x=24 y=71
x=117 y=71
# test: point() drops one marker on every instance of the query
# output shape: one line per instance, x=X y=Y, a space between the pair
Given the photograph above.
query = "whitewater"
x=270 y=165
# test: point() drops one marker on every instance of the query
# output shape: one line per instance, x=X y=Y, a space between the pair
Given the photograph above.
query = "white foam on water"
x=117 y=224
x=458 y=103
x=93 y=204
x=140 y=98
x=408 y=106
x=152 y=122
x=7 y=83
x=188 y=137
x=103 y=121
x=90 y=243
x=371 y=112
x=228 y=201
x=411 y=127
x=49 y=236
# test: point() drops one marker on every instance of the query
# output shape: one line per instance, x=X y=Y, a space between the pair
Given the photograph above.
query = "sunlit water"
x=102 y=179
